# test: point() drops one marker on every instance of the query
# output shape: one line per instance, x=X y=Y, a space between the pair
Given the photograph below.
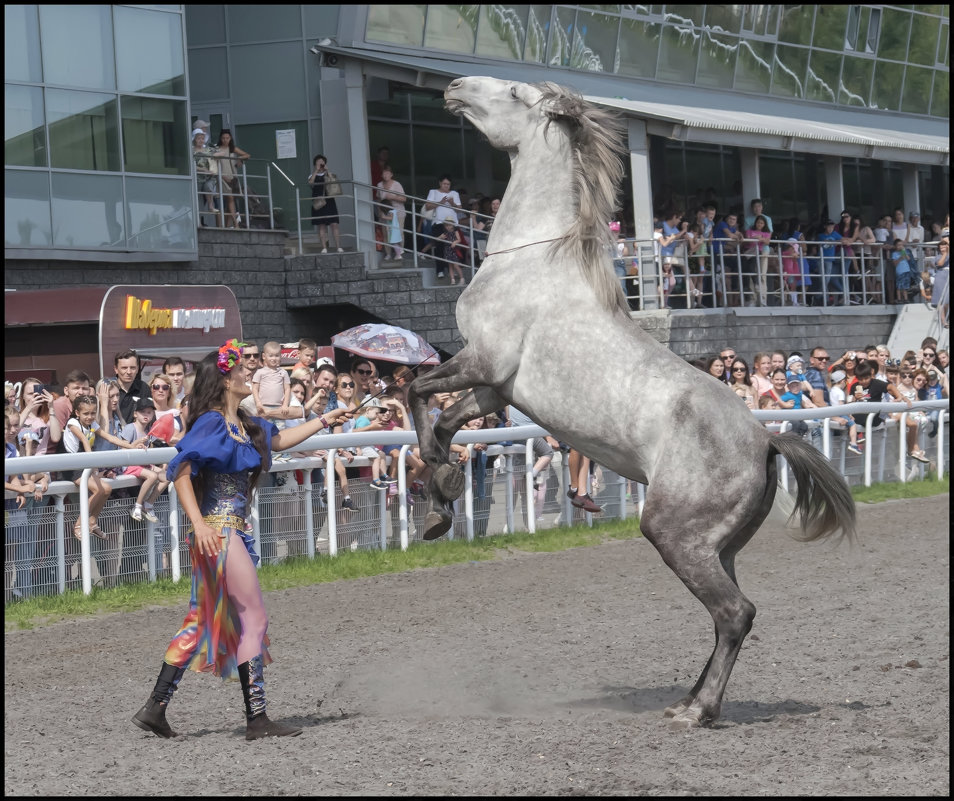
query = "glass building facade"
x=96 y=147
x=892 y=58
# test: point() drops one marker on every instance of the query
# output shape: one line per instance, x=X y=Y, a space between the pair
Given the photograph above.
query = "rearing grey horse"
x=543 y=318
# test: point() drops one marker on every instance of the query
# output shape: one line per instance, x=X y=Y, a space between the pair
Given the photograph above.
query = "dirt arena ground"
x=540 y=674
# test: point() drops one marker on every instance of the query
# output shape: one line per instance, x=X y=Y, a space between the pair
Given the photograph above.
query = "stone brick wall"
x=275 y=292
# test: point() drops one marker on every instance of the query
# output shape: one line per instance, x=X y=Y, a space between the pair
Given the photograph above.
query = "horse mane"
x=596 y=140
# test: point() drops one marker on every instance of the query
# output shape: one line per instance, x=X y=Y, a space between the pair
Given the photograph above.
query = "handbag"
x=332 y=185
x=318 y=204
x=428 y=214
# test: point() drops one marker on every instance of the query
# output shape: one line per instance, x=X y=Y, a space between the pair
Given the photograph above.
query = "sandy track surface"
x=533 y=674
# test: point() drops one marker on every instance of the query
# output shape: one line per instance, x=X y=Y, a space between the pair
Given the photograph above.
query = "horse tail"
x=823 y=499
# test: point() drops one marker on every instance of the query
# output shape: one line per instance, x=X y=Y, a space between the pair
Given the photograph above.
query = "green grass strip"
x=303 y=572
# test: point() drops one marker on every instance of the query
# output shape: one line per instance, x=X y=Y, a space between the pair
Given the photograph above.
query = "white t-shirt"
x=836 y=395
x=442 y=213
x=73 y=432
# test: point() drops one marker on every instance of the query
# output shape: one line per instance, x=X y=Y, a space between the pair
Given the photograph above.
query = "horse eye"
x=513 y=92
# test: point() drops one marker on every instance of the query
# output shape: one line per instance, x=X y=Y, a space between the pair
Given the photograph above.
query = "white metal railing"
x=289 y=518
x=821 y=273
x=252 y=195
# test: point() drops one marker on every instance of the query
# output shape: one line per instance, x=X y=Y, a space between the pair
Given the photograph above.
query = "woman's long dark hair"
x=710 y=361
x=231 y=139
x=747 y=381
x=208 y=394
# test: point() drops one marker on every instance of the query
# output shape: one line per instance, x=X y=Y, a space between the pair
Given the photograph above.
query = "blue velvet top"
x=209 y=444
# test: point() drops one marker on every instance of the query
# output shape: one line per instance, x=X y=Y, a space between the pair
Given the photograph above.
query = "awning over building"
x=692 y=113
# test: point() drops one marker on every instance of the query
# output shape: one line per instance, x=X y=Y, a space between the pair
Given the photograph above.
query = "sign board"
x=165 y=320
x=285 y=144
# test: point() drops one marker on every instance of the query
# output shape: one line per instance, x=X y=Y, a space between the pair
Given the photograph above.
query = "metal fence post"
x=508 y=472
x=256 y=527
x=402 y=494
x=59 y=504
x=469 y=494
x=85 y=568
x=298 y=214
x=151 y=550
x=174 y=562
x=332 y=511
x=309 y=515
x=903 y=448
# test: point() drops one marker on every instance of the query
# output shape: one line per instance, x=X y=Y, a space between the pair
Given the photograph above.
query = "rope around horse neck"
x=528 y=244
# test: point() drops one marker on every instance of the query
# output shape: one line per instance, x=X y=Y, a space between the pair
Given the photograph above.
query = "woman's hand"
x=208 y=541
x=338 y=414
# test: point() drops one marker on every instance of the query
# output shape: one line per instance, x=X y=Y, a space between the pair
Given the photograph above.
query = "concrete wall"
x=281 y=297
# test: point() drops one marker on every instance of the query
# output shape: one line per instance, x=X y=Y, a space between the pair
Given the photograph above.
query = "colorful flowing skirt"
x=209 y=637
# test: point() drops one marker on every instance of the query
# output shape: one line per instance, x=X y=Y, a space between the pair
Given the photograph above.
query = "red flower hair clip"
x=230 y=354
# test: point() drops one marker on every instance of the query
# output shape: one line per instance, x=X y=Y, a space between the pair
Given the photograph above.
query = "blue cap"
x=790 y=377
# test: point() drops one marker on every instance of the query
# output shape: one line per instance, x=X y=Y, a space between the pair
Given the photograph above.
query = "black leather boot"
x=152 y=716
x=257 y=724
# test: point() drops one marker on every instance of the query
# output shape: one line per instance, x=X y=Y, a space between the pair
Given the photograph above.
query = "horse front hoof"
x=449 y=481
x=675 y=709
x=436 y=525
x=683 y=721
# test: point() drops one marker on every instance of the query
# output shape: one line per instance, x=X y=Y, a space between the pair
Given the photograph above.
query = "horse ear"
x=563 y=108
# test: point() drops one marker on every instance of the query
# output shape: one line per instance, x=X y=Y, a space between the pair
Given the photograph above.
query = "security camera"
x=314 y=50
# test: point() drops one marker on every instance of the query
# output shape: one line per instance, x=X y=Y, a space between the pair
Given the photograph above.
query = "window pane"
x=594 y=46
x=208 y=74
x=426 y=107
x=824 y=74
x=403 y=25
x=561 y=37
x=855 y=89
x=694 y=15
x=796 y=25
x=451 y=28
x=252 y=23
x=205 y=24
x=538 y=29
x=895 y=26
x=26 y=209
x=638 y=48
x=88 y=211
x=728 y=18
x=152 y=135
x=886 y=90
x=24 y=134
x=149 y=51
x=830 y=25
x=754 y=70
x=791 y=67
x=717 y=59
x=77 y=44
x=84 y=133
x=159 y=214
x=941 y=100
x=21 y=57
x=395 y=108
x=680 y=52
x=502 y=31
x=923 y=47
x=916 y=97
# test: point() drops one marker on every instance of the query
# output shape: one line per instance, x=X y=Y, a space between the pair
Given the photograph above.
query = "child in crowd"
x=79 y=435
x=447 y=247
x=154 y=481
x=20 y=530
x=792 y=268
x=836 y=393
x=903 y=272
x=307 y=354
x=394 y=236
x=271 y=385
x=375 y=418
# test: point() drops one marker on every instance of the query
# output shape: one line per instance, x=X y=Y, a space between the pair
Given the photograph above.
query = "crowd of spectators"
x=127 y=410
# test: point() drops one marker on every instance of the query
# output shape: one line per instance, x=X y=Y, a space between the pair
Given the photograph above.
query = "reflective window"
x=638 y=48
x=393 y=108
x=538 y=29
x=248 y=23
x=944 y=46
x=824 y=76
x=791 y=67
x=886 y=89
x=21 y=56
x=426 y=107
x=717 y=57
x=679 y=54
x=77 y=45
x=26 y=209
x=84 y=130
x=694 y=15
x=159 y=214
x=205 y=24
x=795 y=26
x=754 y=70
x=895 y=28
x=88 y=211
x=502 y=31
x=728 y=18
x=916 y=97
x=597 y=35
x=560 y=52
x=149 y=51
x=855 y=88
x=451 y=28
x=761 y=20
x=831 y=23
x=924 y=38
x=152 y=135
x=24 y=135
x=403 y=25
x=941 y=98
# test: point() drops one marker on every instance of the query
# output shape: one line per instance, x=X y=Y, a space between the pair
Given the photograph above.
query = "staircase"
x=914 y=322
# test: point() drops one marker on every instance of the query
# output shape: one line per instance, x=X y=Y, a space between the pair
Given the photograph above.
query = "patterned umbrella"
x=387 y=343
